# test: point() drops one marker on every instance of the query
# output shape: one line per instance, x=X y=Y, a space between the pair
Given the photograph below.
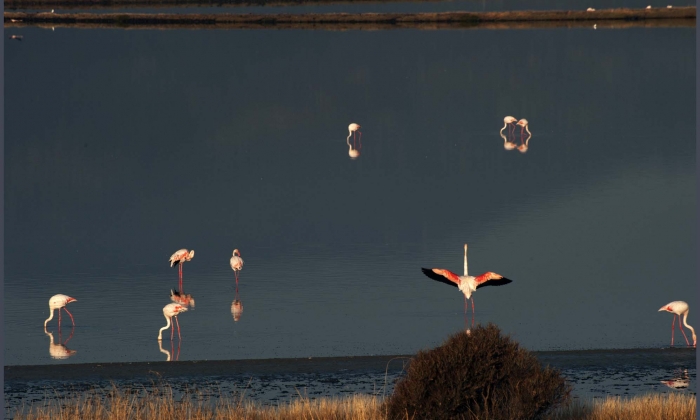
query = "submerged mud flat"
x=445 y=19
x=593 y=374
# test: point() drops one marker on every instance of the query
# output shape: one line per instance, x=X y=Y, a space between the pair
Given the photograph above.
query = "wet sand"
x=350 y=21
x=593 y=374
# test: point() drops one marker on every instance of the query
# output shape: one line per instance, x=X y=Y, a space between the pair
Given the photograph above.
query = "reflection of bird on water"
x=354 y=151
x=17 y=37
x=172 y=350
x=523 y=126
x=509 y=122
x=523 y=145
x=237 y=264
x=182 y=298
x=172 y=310
x=466 y=284
x=508 y=145
x=236 y=309
x=179 y=257
x=59 y=302
x=680 y=382
x=679 y=308
x=59 y=351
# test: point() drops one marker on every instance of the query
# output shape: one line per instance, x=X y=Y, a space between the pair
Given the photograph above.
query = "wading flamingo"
x=509 y=122
x=466 y=284
x=523 y=126
x=236 y=264
x=182 y=298
x=172 y=310
x=179 y=257
x=353 y=153
x=59 y=351
x=59 y=302
x=351 y=131
x=679 y=308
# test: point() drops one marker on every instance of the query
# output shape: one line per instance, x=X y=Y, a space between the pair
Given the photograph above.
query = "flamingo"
x=181 y=298
x=179 y=257
x=236 y=264
x=351 y=131
x=523 y=126
x=508 y=121
x=680 y=382
x=679 y=308
x=17 y=37
x=466 y=284
x=59 y=302
x=172 y=310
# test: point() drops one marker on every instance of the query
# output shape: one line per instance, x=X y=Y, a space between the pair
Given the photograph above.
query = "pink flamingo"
x=179 y=257
x=236 y=264
x=679 y=308
x=181 y=298
x=352 y=128
x=172 y=310
x=466 y=284
x=59 y=302
x=508 y=121
x=523 y=126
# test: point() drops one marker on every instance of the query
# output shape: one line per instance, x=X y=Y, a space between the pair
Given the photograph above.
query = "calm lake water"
x=392 y=7
x=123 y=146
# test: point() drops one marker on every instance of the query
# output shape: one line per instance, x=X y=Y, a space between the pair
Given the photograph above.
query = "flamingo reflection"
x=236 y=309
x=353 y=150
x=507 y=144
x=172 y=350
x=681 y=381
x=182 y=298
x=60 y=351
x=524 y=145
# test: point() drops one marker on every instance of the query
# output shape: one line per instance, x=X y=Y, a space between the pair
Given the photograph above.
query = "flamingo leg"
x=472 y=299
x=59 y=318
x=69 y=314
x=178 y=329
x=360 y=139
x=181 y=291
x=673 y=327
x=178 y=351
x=70 y=336
x=680 y=327
x=172 y=330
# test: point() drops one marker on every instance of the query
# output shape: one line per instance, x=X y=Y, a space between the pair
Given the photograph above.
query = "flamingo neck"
x=528 y=131
x=49 y=318
x=160 y=332
x=505 y=124
x=465 y=264
x=685 y=322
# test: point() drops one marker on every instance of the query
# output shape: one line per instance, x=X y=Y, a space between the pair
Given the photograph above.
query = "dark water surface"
x=384 y=7
x=123 y=146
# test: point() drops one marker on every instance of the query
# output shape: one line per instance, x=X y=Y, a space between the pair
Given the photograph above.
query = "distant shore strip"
x=682 y=16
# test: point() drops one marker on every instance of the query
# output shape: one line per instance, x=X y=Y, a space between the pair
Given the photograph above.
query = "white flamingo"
x=679 y=308
x=466 y=284
x=179 y=257
x=236 y=264
x=508 y=121
x=523 y=126
x=172 y=310
x=59 y=302
x=352 y=128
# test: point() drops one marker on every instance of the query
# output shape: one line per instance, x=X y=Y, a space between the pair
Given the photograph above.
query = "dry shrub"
x=481 y=375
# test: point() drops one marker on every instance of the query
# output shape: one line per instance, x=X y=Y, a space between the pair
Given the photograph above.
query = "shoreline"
x=684 y=16
x=204 y=368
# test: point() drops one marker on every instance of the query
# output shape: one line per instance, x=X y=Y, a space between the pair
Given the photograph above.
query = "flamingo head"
x=509 y=146
x=70 y=299
x=190 y=255
x=354 y=154
x=666 y=308
x=509 y=119
x=465 y=247
x=522 y=122
x=190 y=301
x=522 y=148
